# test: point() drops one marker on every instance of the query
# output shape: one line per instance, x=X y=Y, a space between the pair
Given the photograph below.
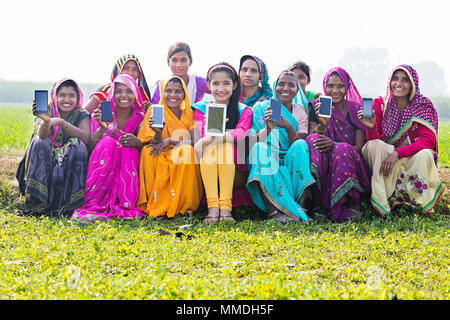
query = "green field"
x=405 y=256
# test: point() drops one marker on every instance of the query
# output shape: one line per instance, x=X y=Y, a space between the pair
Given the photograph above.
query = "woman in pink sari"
x=112 y=183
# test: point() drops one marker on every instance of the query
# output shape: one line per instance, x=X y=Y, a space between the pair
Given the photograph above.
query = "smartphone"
x=325 y=107
x=105 y=107
x=367 y=107
x=41 y=98
x=215 y=119
x=275 y=106
x=158 y=115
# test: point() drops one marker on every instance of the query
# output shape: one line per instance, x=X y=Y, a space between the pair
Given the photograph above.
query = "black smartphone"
x=41 y=98
x=325 y=107
x=367 y=107
x=105 y=107
x=275 y=106
x=158 y=115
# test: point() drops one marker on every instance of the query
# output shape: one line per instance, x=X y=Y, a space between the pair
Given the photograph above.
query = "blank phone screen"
x=41 y=98
x=215 y=119
x=367 y=106
x=105 y=107
x=158 y=115
x=275 y=106
x=325 y=106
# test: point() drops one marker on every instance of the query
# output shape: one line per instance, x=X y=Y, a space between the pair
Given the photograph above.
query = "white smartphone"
x=158 y=115
x=325 y=107
x=215 y=119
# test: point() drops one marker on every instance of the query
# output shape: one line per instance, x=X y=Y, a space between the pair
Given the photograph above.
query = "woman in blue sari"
x=279 y=163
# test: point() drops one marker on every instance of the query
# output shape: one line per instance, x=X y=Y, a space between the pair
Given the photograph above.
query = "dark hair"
x=69 y=83
x=233 y=105
x=302 y=66
x=179 y=47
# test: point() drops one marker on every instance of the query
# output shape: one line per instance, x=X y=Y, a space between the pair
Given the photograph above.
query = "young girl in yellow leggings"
x=218 y=155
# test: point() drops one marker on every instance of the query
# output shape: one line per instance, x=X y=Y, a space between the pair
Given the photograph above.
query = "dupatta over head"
x=56 y=131
x=117 y=69
x=352 y=97
x=172 y=123
x=138 y=114
x=265 y=90
x=396 y=125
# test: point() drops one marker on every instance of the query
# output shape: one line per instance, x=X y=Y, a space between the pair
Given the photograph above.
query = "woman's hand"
x=43 y=117
x=201 y=144
x=324 y=144
x=98 y=117
x=269 y=123
x=147 y=104
x=323 y=122
x=368 y=122
x=160 y=147
x=129 y=140
x=388 y=164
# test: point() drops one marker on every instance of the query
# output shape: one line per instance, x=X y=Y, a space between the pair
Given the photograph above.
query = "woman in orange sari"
x=170 y=180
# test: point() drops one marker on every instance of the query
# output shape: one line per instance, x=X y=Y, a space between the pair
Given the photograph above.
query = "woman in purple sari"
x=335 y=145
x=112 y=183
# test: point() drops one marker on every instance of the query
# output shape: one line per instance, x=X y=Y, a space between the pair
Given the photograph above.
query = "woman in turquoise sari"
x=279 y=163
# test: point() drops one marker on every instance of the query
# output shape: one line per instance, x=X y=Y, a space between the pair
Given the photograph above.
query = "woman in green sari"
x=279 y=163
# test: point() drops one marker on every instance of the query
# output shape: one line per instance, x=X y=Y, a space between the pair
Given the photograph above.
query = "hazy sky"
x=46 y=40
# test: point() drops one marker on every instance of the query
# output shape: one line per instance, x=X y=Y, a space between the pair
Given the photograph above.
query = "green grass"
x=16 y=123
x=405 y=256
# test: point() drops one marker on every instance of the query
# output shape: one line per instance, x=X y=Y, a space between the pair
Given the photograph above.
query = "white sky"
x=46 y=40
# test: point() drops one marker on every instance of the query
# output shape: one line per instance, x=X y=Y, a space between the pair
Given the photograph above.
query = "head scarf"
x=396 y=126
x=56 y=131
x=265 y=90
x=185 y=103
x=352 y=97
x=172 y=122
x=117 y=69
x=299 y=88
x=138 y=106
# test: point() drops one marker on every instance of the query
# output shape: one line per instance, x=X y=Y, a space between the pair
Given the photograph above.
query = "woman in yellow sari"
x=170 y=180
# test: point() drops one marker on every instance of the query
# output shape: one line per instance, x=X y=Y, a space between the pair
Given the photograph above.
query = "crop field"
x=403 y=256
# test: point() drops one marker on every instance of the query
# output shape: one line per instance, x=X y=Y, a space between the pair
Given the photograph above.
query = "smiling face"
x=249 y=74
x=302 y=78
x=174 y=95
x=221 y=86
x=335 y=89
x=131 y=68
x=179 y=64
x=286 y=89
x=123 y=96
x=67 y=99
x=400 y=85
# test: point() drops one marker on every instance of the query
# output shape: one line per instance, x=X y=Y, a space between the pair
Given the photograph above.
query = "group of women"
x=78 y=166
